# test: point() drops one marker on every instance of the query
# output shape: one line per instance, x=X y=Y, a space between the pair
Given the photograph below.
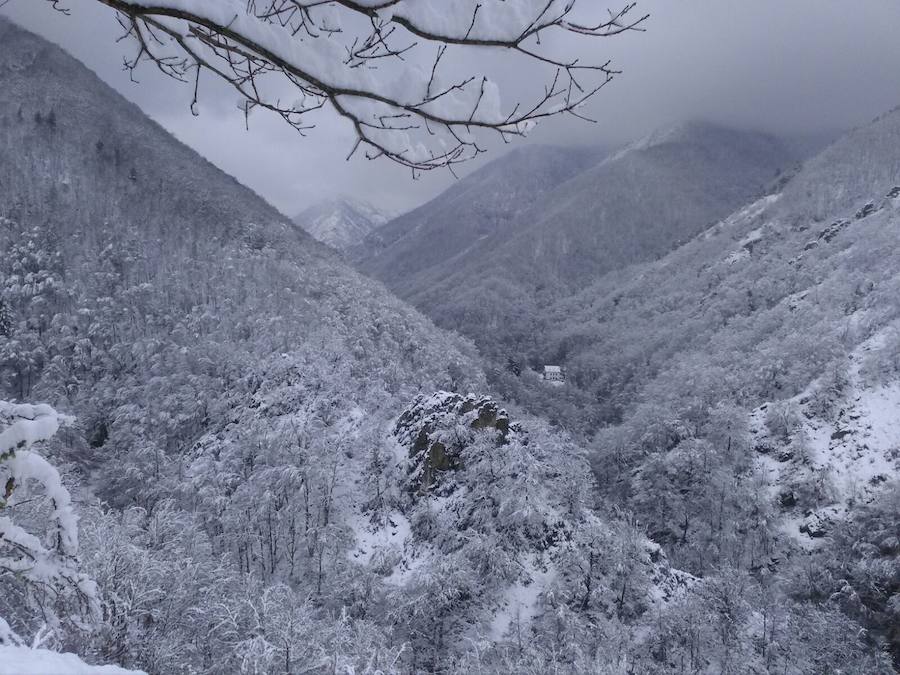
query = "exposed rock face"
x=866 y=211
x=814 y=525
x=787 y=498
x=436 y=428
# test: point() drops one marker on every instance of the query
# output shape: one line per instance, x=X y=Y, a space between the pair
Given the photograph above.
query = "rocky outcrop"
x=867 y=210
x=435 y=429
x=814 y=525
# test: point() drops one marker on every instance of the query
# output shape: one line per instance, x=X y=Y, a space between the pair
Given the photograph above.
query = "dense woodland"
x=276 y=466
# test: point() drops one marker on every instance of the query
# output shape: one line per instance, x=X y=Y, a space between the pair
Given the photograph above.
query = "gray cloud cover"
x=790 y=67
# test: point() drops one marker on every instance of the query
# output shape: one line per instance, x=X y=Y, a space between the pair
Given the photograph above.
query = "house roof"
x=552 y=369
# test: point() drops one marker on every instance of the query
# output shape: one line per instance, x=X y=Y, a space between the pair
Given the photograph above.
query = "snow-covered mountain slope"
x=814 y=281
x=163 y=305
x=476 y=490
x=759 y=363
x=833 y=447
x=342 y=222
x=488 y=201
x=641 y=202
x=283 y=490
x=85 y=175
x=75 y=153
x=633 y=206
x=237 y=390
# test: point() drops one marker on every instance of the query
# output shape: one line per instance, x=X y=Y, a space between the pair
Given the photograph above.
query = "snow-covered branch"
x=23 y=554
x=381 y=64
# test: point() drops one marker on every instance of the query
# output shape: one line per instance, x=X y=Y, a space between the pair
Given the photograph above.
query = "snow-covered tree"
x=31 y=294
x=38 y=566
x=389 y=67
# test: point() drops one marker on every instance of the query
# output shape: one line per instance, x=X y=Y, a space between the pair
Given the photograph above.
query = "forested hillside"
x=488 y=203
x=805 y=272
x=269 y=469
x=571 y=227
x=741 y=391
x=269 y=464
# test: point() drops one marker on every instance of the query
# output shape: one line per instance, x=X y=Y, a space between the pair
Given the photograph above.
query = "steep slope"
x=163 y=304
x=490 y=200
x=631 y=207
x=742 y=391
x=240 y=397
x=78 y=134
x=821 y=245
x=789 y=308
x=86 y=176
x=641 y=202
x=341 y=222
x=835 y=445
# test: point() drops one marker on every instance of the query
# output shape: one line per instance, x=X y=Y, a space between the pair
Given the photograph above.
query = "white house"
x=554 y=374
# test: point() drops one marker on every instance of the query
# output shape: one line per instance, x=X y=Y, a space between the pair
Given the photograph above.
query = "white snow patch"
x=392 y=536
x=27 y=661
x=737 y=256
x=744 y=216
x=752 y=237
x=858 y=452
x=519 y=604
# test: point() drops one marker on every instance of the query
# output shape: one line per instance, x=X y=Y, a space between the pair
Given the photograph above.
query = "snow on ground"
x=669 y=585
x=745 y=215
x=27 y=661
x=418 y=558
x=736 y=256
x=741 y=219
x=854 y=455
x=869 y=449
x=519 y=603
x=752 y=237
x=391 y=537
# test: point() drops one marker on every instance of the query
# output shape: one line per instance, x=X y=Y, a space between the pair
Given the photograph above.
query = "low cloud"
x=794 y=68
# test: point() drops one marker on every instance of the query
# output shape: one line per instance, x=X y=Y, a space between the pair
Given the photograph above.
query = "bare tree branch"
x=360 y=57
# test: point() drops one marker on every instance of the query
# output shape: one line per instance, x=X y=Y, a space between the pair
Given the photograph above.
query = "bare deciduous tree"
x=388 y=66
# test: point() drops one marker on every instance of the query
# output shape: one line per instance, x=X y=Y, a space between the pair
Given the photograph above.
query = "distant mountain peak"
x=683 y=131
x=342 y=221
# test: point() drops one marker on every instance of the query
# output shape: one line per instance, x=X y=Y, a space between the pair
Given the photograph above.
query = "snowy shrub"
x=815 y=489
x=881 y=364
x=829 y=392
x=782 y=419
x=799 y=448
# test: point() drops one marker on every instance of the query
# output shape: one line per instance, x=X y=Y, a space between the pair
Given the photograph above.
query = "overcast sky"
x=785 y=66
